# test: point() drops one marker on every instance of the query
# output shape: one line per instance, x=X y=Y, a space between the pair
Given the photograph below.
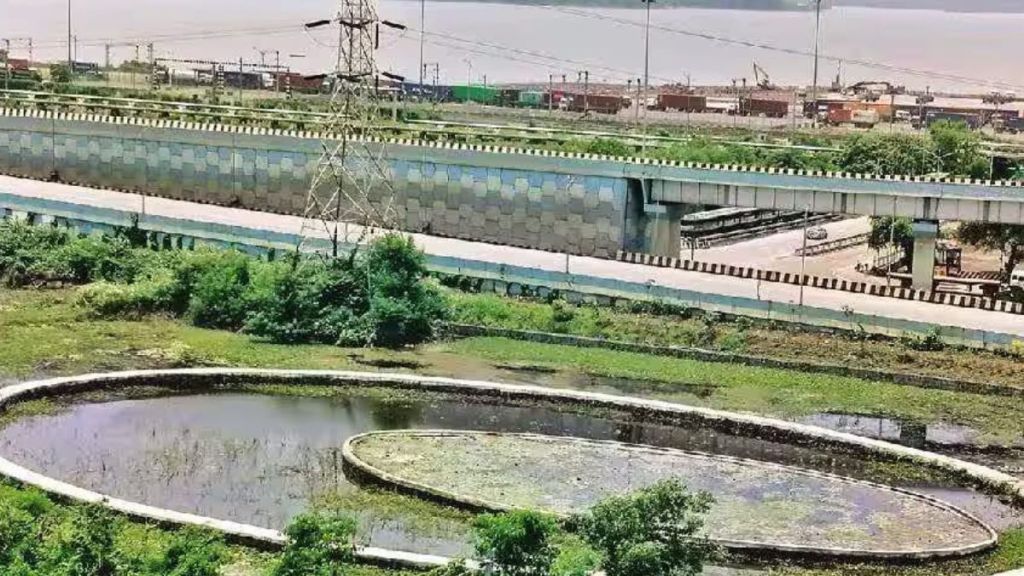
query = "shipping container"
x=532 y=99
x=763 y=107
x=681 y=103
x=598 y=103
x=508 y=97
x=477 y=94
x=247 y=80
x=299 y=83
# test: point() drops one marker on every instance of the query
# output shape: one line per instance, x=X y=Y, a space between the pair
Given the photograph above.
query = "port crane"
x=762 y=79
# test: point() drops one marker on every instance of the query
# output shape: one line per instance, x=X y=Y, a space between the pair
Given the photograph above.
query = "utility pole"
x=152 y=65
x=637 y=110
x=106 y=58
x=817 y=42
x=7 y=62
x=647 y=69
x=469 y=81
x=551 y=93
x=803 y=255
x=423 y=28
x=586 y=92
x=71 y=62
x=135 y=67
x=240 y=74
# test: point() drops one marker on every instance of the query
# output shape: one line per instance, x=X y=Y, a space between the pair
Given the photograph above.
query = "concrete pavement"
x=712 y=284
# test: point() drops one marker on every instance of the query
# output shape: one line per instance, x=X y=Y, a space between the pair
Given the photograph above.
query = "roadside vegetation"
x=377 y=297
x=122 y=304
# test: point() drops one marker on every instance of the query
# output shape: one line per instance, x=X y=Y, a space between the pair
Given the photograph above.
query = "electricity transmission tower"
x=351 y=182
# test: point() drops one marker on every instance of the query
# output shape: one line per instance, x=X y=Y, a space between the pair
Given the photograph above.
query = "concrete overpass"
x=583 y=204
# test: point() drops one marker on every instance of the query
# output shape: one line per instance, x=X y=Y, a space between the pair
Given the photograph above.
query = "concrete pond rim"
x=425 y=490
x=204 y=379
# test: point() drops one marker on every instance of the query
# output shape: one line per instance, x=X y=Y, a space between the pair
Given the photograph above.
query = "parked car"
x=817 y=233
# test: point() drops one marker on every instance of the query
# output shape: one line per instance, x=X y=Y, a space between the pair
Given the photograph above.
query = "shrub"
x=380 y=298
x=17 y=531
x=194 y=552
x=575 y=558
x=657 y=531
x=455 y=567
x=403 y=307
x=82 y=544
x=149 y=296
x=516 y=543
x=319 y=545
x=930 y=342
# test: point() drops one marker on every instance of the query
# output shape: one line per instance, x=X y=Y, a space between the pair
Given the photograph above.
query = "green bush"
x=575 y=558
x=82 y=544
x=656 y=531
x=319 y=545
x=516 y=543
x=380 y=298
x=455 y=567
x=217 y=289
x=194 y=552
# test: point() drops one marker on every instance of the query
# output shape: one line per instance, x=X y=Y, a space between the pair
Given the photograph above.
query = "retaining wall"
x=444 y=192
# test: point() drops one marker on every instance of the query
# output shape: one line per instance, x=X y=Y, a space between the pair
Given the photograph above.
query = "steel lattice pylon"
x=352 y=180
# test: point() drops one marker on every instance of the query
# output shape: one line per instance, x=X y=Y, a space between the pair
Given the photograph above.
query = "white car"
x=817 y=233
x=1017 y=277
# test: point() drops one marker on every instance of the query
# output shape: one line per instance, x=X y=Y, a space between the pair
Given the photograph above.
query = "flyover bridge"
x=585 y=204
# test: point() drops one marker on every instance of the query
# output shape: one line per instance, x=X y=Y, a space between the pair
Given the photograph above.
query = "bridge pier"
x=923 y=265
x=662 y=229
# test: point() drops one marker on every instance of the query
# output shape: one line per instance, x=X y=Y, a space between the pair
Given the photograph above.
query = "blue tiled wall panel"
x=539 y=209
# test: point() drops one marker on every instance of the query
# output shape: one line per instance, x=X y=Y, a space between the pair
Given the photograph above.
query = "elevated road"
x=86 y=198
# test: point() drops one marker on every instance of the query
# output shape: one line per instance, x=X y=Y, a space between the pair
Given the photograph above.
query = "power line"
x=790 y=51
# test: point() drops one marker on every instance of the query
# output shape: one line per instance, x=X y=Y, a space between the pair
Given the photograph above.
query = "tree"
x=517 y=543
x=60 y=73
x=1007 y=238
x=319 y=544
x=656 y=531
x=959 y=150
x=899 y=230
x=890 y=154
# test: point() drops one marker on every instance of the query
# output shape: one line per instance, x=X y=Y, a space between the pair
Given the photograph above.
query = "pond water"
x=260 y=459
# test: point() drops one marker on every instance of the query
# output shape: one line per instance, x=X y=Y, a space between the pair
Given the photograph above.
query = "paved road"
x=778 y=251
x=706 y=283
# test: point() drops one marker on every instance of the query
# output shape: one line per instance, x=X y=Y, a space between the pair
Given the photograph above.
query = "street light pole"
x=647 y=72
x=817 y=41
x=423 y=28
x=803 y=256
x=71 y=65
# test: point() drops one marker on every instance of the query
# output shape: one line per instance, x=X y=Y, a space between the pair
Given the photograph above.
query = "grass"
x=44 y=333
x=742 y=337
x=766 y=391
x=417 y=516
